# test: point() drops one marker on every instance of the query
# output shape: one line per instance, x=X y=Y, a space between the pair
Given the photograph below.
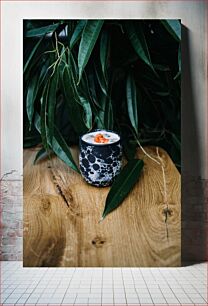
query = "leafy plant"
x=81 y=75
x=123 y=185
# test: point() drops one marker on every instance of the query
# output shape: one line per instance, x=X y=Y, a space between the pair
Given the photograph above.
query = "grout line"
x=192 y=277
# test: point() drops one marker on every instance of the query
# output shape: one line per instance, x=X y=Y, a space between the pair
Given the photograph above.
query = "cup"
x=100 y=157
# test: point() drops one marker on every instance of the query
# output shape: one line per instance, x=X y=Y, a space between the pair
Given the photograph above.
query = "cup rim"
x=100 y=144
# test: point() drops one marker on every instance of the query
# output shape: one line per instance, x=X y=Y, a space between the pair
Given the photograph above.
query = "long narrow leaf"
x=101 y=114
x=34 y=88
x=87 y=116
x=43 y=73
x=77 y=32
x=89 y=37
x=92 y=87
x=84 y=88
x=104 y=52
x=131 y=96
x=42 y=31
x=137 y=39
x=31 y=95
x=41 y=154
x=173 y=26
x=43 y=116
x=80 y=98
x=101 y=81
x=74 y=107
x=108 y=114
x=59 y=146
x=39 y=61
x=122 y=185
x=52 y=102
x=32 y=54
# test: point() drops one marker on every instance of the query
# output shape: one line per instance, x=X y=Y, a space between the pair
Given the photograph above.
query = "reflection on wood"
x=61 y=214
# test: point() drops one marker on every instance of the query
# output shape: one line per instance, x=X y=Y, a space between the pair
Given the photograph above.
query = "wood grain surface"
x=61 y=214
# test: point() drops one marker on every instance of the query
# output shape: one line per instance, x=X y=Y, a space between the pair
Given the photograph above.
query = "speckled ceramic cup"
x=100 y=163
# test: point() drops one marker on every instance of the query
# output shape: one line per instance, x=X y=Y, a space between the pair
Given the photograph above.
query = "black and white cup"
x=100 y=163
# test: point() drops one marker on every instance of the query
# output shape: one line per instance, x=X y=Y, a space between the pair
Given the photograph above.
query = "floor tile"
x=132 y=300
x=107 y=300
x=112 y=286
x=32 y=300
x=145 y=300
x=68 y=299
x=94 y=301
x=131 y=295
x=81 y=301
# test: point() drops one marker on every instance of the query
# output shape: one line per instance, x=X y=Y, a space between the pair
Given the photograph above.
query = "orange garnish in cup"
x=99 y=138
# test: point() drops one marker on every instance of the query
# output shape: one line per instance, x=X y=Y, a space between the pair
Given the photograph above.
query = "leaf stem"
x=101 y=219
x=57 y=50
x=143 y=150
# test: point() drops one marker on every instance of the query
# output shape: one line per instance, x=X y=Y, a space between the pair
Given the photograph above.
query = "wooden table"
x=61 y=214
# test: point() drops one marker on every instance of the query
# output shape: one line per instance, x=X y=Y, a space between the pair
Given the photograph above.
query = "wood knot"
x=46 y=204
x=98 y=242
x=45 y=207
x=167 y=211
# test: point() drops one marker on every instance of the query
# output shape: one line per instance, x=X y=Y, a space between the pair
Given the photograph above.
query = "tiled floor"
x=103 y=286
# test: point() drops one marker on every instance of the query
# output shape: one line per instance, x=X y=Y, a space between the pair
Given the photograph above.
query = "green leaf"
x=173 y=26
x=75 y=109
x=122 y=185
x=61 y=149
x=41 y=154
x=99 y=113
x=138 y=41
x=84 y=88
x=32 y=54
x=77 y=33
x=52 y=102
x=87 y=116
x=80 y=95
x=104 y=114
x=43 y=73
x=43 y=116
x=131 y=96
x=81 y=98
x=70 y=26
x=74 y=68
x=42 y=31
x=101 y=81
x=89 y=37
x=92 y=88
x=59 y=146
x=30 y=99
x=104 y=51
x=39 y=62
x=34 y=88
x=108 y=114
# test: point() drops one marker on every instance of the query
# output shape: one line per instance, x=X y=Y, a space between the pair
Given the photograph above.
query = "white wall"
x=194 y=104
